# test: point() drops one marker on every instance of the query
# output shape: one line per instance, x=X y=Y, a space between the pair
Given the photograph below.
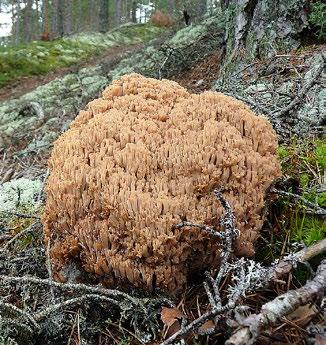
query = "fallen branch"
x=10 y=308
x=249 y=275
x=231 y=232
x=273 y=311
x=77 y=288
x=205 y=228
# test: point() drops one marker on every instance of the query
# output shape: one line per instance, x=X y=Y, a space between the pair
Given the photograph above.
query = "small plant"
x=317 y=18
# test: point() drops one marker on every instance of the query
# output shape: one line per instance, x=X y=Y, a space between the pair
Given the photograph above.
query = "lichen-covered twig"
x=205 y=228
x=273 y=311
x=20 y=215
x=314 y=208
x=77 y=288
x=302 y=92
x=12 y=309
x=73 y=301
x=284 y=266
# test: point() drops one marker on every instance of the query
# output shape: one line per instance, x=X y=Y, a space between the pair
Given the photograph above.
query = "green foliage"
x=317 y=18
x=39 y=58
x=305 y=228
x=282 y=152
x=320 y=153
x=125 y=341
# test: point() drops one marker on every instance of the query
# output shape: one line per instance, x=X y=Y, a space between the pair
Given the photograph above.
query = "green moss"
x=283 y=152
x=320 y=153
x=145 y=32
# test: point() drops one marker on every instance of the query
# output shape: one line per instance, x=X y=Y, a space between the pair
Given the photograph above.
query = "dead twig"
x=301 y=94
x=8 y=308
x=77 y=288
x=231 y=232
x=273 y=311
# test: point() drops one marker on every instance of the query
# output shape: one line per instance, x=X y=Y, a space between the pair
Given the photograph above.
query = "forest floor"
x=286 y=230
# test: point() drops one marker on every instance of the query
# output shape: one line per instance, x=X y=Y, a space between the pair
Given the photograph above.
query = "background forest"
x=29 y=20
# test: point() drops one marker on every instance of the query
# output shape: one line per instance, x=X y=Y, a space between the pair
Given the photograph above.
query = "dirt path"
x=19 y=87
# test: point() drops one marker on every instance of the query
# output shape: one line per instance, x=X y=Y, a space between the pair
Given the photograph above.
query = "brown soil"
x=23 y=85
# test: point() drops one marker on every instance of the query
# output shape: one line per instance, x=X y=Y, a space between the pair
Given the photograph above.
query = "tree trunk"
x=117 y=12
x=45 y=20
x=59 y=17
x=133 y=11
x=16 y=20
x=104 y=15
x=67 y=17
x=254 y=25
x=28 y=20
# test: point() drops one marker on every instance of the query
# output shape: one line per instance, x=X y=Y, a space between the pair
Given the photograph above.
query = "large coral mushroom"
x=141 y=159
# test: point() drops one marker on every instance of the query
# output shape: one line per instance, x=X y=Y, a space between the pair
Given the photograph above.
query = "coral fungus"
x=140 y=160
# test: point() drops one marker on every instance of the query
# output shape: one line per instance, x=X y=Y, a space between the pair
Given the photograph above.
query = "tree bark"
x=45 y=15
x=67 y=17
x=117 y=12
x=104 y=15
x=16 y=20
x=59 y=17
x=133 y=11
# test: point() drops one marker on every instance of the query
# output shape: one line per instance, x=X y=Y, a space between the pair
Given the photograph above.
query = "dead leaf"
x=320 y=340
x=206 y=326
x=303 y=315
x=171 y=318
x=170 y=315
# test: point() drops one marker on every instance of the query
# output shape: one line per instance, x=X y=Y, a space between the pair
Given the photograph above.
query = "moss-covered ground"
x=39 y=57
x=291 y=224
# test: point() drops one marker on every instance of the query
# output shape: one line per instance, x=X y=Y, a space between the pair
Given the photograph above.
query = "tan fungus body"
x=141 y=159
